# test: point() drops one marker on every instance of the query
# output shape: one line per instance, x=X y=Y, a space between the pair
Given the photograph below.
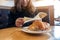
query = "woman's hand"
x=19 y=22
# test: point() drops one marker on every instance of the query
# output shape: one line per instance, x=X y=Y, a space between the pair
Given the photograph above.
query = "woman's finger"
x=19 y=22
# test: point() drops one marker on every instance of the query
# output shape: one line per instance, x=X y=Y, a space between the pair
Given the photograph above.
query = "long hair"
x=30 y=8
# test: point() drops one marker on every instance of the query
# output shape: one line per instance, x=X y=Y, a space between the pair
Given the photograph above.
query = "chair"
x=50 y=11
x=3 y=18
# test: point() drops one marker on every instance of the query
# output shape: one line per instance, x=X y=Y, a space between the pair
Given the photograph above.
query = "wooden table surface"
x=16 y=34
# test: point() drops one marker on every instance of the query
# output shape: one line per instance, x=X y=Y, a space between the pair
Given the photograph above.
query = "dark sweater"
x=14 y=15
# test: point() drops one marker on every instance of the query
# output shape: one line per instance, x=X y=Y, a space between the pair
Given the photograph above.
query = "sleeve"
x=11 y=19
x=45 y=19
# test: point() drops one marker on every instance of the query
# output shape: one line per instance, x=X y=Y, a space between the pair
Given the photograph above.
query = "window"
x=43 y=3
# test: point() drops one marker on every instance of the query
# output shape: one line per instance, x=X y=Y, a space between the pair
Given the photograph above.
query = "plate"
x=25 y=29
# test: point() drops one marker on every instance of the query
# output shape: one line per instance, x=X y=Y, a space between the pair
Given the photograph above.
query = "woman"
x=22 y=8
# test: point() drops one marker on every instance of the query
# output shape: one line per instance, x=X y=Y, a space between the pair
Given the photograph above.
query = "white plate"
x=25 y=29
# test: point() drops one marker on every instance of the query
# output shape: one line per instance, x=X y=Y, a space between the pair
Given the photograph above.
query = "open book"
x=39 y=16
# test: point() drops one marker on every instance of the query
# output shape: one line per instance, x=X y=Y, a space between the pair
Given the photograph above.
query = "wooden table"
x=16 y=34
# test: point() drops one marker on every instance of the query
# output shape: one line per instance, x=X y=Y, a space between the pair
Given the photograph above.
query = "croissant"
x=37 y=25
